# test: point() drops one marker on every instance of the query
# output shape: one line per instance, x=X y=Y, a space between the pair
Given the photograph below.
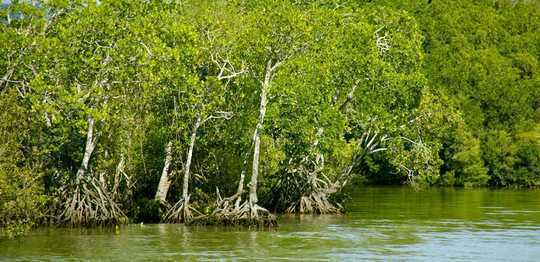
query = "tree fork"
x=182 y=211
x=257 y=135
x=185 y=187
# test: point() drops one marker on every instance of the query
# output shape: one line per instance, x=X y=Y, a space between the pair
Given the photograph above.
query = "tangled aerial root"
x=230 y=212
x=315 y=203
x=181 y=212
x=89 y=203
x=242 y=216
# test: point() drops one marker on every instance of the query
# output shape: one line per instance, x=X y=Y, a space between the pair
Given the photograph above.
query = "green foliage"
x=450 y=89
x=21 y=189
x=483 y=55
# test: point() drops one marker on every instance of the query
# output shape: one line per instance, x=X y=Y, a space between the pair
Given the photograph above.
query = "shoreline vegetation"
x=228 y=112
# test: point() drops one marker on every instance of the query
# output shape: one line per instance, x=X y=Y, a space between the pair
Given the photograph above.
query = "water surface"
x=383 y=223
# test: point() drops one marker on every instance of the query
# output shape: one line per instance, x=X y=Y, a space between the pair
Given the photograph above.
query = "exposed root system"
x=89 y=203
x=231 y=212
x=315 y=203
x=181 y=212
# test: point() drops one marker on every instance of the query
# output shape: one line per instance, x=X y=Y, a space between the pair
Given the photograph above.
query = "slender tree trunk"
x=240 y=189
x=185 y=187
x=89 y=149
x=257 y=135
x=350 y=97
x=164 y=182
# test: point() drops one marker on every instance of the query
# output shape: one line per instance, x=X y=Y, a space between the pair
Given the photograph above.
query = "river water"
x=383 y=223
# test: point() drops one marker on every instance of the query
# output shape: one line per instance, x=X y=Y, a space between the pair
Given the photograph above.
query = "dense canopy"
x=229 y=111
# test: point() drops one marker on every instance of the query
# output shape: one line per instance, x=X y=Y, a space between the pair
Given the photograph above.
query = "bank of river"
x=382 y=223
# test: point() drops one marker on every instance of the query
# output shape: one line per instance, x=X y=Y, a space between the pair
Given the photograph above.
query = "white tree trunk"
x=89 y=148
x=185 y=187
x=240 y=189
x=164 y=182
x=257 y=135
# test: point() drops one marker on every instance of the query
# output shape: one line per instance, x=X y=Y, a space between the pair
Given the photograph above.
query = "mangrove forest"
x=234 y=112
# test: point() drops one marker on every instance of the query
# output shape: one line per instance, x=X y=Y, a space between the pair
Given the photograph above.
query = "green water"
x=388 y=223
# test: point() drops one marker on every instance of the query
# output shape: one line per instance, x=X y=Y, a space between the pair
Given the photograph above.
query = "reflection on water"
x=383 y=223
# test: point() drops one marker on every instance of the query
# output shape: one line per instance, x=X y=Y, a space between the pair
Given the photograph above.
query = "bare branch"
x=219 y=115
x=226 y=68
x=147 y=49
